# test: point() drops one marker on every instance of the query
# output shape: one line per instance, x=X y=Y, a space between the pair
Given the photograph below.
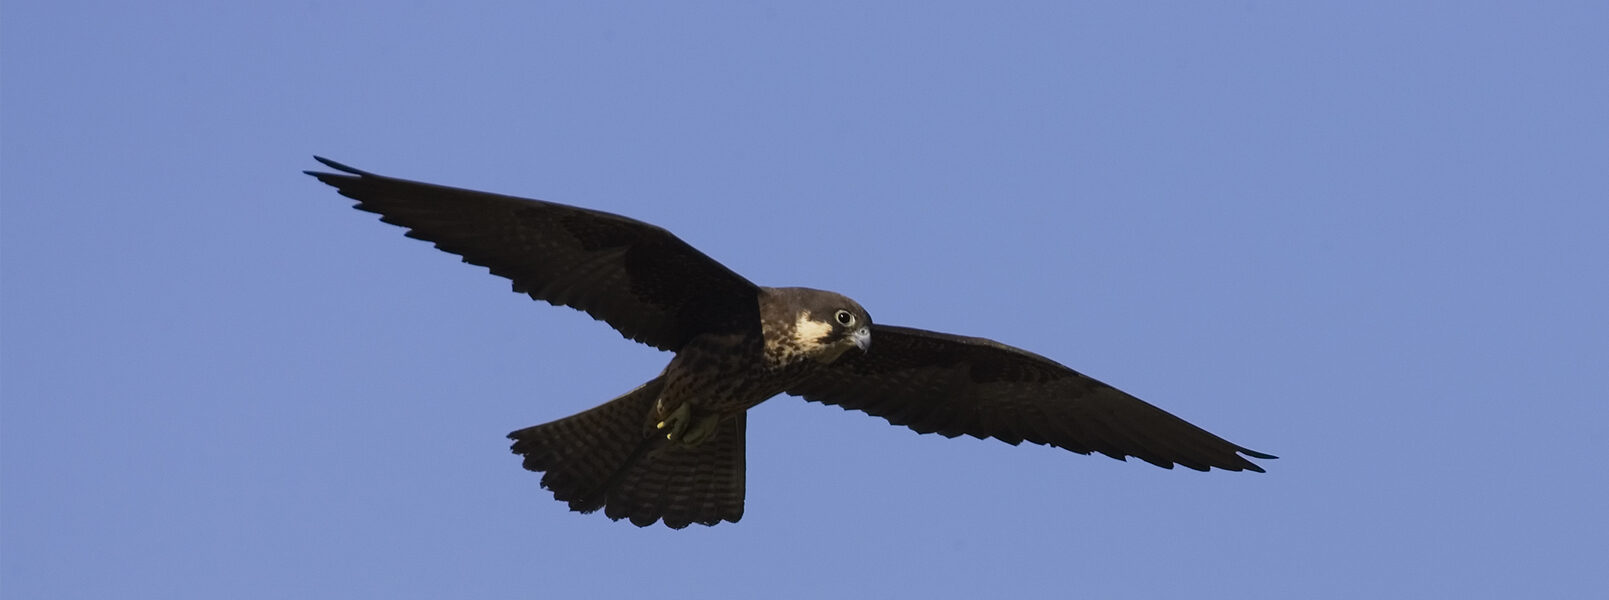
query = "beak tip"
x=863 y=339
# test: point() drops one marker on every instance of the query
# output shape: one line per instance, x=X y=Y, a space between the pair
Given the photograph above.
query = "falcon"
x=672 y=450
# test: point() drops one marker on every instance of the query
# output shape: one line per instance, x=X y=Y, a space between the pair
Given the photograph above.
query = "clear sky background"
x=1371 y=239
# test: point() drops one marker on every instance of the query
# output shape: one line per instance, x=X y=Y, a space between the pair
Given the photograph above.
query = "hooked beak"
x=862 y=338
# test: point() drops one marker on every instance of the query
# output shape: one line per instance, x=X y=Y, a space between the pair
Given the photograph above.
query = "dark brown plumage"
x=673 y=449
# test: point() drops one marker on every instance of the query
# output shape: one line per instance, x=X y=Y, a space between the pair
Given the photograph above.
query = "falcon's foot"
x=681 y=425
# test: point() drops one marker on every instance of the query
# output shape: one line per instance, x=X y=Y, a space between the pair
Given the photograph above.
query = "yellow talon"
x=675 y=423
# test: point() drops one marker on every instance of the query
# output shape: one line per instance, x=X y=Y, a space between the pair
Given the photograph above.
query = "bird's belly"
x=728 y=392
x=724 y=375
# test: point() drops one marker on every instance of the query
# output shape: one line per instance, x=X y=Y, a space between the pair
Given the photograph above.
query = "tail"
x=610 y=457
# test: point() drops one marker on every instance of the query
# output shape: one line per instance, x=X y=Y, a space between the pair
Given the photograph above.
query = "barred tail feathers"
x=610 y=457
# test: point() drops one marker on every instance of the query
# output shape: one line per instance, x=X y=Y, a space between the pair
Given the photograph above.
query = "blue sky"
x=1369 y=239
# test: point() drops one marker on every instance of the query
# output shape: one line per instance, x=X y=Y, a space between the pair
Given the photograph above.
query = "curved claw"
x=676 y=422
x=681 y=425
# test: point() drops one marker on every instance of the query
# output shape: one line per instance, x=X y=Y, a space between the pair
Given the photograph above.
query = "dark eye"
x=844 y=318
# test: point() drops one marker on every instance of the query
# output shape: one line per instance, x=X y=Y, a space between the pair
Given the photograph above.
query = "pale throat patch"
x=807 y=332
x=802 y=340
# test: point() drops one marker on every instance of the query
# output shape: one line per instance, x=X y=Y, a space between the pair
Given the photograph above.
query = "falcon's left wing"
x=952 y=385
x=648 y=284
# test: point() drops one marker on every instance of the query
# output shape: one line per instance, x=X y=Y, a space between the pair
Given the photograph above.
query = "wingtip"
x=335 y=165
x=1251 y=466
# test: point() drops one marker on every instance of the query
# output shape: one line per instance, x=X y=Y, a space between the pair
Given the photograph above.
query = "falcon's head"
x=818 y=325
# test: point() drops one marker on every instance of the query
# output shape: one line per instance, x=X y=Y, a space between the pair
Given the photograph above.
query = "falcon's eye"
x=844 y=318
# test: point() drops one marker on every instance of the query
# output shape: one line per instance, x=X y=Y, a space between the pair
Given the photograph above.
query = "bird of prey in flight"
x=672 y=450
